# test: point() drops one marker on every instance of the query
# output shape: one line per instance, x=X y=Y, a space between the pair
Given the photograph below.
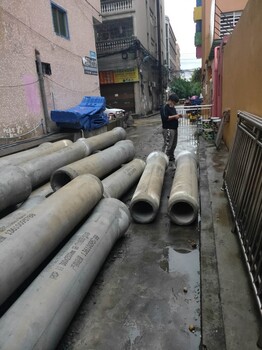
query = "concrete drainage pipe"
x=25 y=244
x=35 y=198
x=146 y=199
x=42 y=150
x=116 y=184
x=106 y=139
x=99 y=164
x=40 y=316
x=183 y=204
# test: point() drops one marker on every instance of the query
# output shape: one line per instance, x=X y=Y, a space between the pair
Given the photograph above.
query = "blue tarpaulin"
x=88 y=115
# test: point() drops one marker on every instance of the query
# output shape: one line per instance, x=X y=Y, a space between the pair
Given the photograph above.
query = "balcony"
x=112 y=7
x=114 y=45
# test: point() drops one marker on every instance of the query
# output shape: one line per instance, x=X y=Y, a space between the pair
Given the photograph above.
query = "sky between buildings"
x=180 y=13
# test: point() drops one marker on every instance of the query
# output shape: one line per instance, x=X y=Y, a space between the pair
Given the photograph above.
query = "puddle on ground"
x=184 y=266
x=182 y=261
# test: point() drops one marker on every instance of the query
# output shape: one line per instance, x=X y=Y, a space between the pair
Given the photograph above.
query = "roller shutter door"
x=119 y=96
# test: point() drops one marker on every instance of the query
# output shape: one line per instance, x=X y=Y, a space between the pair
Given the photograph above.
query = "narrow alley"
x=162 y=286
x=82 y=89
x=147 y=295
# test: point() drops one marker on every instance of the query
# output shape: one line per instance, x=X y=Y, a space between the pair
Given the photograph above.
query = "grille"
x=243 y=185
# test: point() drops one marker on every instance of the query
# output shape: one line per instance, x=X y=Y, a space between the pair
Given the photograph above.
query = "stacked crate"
x=207 y=129
x=210 y=127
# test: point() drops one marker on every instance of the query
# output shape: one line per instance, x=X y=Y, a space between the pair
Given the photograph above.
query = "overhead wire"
x=84 y=13
x=93 y=7
x=64 y=87
x=19 y=85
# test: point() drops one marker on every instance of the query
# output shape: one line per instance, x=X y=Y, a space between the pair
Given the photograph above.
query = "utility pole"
x=160 y=78
x=42 y=90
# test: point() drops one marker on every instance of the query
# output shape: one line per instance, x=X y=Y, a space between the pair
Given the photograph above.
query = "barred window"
x=228 y=20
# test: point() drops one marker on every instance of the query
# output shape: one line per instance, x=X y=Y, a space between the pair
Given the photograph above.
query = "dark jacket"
x=167 y=111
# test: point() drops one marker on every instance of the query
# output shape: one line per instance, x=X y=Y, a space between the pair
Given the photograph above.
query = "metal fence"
x=243 y=185
x=203 y=111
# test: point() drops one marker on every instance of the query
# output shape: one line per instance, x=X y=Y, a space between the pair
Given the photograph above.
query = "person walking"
x=169 y=119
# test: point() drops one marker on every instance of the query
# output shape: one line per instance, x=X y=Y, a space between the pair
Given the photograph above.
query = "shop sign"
x=126 y=75
x=90 y=65
x=119 y=76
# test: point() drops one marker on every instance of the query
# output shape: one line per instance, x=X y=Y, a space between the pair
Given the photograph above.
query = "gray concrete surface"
x=240 y=316
x=147 y=295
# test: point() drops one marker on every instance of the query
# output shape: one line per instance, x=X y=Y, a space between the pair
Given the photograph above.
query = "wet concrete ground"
x=230 y=315
x=147 y=295
x=150 y=290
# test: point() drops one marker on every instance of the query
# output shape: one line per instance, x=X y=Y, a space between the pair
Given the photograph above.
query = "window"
x=46 y=68
x=114 y=30
x=228 y=21
x=60 y=21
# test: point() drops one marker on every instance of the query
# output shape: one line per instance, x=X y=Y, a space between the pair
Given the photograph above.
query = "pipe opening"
x=60 y=179
x=142 y=212
x=182 y=213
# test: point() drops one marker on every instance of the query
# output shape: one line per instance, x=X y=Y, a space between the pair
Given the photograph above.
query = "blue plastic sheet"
x=88 y=115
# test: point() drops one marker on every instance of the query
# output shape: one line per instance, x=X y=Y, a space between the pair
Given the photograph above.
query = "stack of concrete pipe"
x=17 y=179
x=41 y=224
x=114 y=186
x=30 y=234
x=27 y=243
x=38 y=319
x=183 y=203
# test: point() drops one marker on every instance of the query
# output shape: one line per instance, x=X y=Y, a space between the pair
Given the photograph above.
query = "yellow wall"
x=208 y=35
x=225 y=6
x=198 y=13
x=242 y=73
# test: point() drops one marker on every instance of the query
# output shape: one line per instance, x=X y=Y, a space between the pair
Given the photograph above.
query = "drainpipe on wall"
x=42 y=91
x=160 y=82
x=215 y=78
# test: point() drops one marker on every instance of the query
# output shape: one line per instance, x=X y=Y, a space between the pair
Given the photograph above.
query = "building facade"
x=47 y=61
x=131 y=54
x=172 y=53
x=230 y=52
x=215 y=21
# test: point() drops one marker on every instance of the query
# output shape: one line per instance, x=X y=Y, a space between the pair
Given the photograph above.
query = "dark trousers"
x=170 y=141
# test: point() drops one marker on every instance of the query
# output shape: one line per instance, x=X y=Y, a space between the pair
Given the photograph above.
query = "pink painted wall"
x=26 y=26
x=33 y=101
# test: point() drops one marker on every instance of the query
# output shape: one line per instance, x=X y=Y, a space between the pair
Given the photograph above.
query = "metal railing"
x=116 y=6
x=114 y=45
x=243 y=185
x=203 y=111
